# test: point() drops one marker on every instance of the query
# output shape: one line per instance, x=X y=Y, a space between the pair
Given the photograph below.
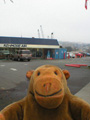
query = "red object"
x=72 y=65
x=79 y=54
x=86 y=4
x=49 y=58
x=82 y=64
x=75 y=65
x=68 y=56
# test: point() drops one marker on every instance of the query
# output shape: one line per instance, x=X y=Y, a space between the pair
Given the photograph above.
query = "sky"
x=68 y=20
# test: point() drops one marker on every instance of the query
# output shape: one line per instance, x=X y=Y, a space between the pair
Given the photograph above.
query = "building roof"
x=17 y=42
x=34 y=41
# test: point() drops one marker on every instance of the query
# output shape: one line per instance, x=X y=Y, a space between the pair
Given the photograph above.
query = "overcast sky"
x=67 y=19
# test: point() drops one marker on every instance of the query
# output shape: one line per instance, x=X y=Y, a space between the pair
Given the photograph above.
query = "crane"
x=38 y=33
x=10 y=0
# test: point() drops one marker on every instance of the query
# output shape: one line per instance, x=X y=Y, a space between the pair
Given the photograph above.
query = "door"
x=57 y=54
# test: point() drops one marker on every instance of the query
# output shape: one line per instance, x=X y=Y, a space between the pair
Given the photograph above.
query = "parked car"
x=22 y=55
x=70 y=54
x=7 y=54
x=84 y=54
x=79 y=54
x=2 y=56
x=88 y=54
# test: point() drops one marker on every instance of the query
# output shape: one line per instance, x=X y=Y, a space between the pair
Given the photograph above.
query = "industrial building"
x=40 y=47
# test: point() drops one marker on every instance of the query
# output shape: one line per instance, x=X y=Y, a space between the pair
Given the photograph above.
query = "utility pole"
x=42 y=31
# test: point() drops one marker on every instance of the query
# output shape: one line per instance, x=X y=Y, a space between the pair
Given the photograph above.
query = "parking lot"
x=14 y=85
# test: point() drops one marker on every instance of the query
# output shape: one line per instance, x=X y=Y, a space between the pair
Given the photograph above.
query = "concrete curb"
x=84 y=93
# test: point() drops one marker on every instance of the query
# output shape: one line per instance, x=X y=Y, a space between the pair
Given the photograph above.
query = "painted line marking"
x=13 y=69
x=25 y=64
x=2 y=65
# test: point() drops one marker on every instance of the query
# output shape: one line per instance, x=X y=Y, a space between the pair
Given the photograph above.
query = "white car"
x=72 y=55
x=22 y=55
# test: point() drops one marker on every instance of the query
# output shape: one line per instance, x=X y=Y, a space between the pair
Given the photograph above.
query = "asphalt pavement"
x=14 y=85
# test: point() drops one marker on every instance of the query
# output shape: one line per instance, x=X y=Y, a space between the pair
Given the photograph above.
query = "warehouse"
x=38 y=46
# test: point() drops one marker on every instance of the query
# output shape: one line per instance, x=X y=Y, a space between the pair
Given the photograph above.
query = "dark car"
x=7 y=54
x=88 y=54
x=2 y=56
